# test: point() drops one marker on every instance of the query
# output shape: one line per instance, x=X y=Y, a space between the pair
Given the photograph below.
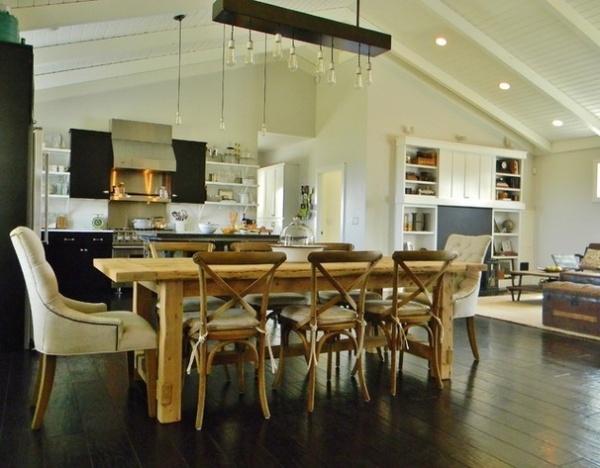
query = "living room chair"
x=466 y=284
x=236 y=321
x=66 y=327
x=277 y=301
x=317 y=323
x=417 y=308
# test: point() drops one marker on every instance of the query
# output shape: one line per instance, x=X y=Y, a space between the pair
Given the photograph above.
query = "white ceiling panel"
x=548 y=50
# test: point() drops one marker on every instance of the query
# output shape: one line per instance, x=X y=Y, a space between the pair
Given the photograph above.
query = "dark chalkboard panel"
x=462 y=220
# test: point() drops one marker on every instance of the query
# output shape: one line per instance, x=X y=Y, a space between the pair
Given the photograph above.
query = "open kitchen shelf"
x=231 y=184
x=229 y=203
x=224 y=186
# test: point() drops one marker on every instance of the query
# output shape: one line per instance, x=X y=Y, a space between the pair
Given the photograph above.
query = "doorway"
x=330 y=204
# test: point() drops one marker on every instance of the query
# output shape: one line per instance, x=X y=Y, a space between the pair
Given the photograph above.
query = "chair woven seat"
x=277 y=301
x=169 y=249
x=333 y=315
x=325 y=296
x=383 y=306
x=192 y=304
x=232 y=319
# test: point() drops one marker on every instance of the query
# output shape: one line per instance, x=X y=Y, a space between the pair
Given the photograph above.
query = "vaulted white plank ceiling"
x=548 y=50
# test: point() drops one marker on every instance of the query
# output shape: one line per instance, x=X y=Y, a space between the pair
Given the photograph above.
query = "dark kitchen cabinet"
x=71 y=255
x=187 y=183
x=91 y=163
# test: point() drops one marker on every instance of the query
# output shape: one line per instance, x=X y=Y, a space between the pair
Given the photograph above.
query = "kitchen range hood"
x=141 y=145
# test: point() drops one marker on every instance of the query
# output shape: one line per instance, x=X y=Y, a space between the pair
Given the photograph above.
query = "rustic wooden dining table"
x=172 y=279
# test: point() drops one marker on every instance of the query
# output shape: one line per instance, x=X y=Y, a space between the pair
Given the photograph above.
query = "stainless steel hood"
x=141 y=145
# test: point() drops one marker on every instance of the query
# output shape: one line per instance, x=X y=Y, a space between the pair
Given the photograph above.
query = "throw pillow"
x=591 y=260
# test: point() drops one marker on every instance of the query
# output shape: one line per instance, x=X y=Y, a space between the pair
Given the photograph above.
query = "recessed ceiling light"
x=557 y=123
x=504 y=85
x=441 y=41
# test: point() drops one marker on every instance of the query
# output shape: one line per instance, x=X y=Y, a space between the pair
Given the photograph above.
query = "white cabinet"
x=466 y=176
x=432 y=173
x=278 y=195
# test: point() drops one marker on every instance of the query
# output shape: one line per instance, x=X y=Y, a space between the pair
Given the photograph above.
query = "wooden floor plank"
x=532 y=400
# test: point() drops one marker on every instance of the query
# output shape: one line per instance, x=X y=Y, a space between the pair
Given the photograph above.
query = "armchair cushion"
x=469 y=249
x=590 y=260
x=85 y=307
x=466 y=285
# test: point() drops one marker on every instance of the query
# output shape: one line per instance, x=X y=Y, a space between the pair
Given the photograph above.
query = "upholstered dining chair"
x=466 y=284
x=277 y=301
x=158 y=249
x=66 y=327
x=396 y=316
x=236 y=321
x=317 y=323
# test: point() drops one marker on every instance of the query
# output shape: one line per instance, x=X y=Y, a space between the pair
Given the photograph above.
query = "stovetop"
x=130 y=236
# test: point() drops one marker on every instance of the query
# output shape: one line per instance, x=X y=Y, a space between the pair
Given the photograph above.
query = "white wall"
x=289 y=106
x=341 y=138
x=290 y=110
x=396 y=100
x=357 y=128
x=567 y=217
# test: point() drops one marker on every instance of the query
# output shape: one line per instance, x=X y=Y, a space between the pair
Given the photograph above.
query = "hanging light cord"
x=222 y=124
x=264 y=124
x=178 y=115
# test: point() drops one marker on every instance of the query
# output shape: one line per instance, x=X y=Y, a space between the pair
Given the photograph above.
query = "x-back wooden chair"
x=318 y=322
x=417 y=308
x=235 y=321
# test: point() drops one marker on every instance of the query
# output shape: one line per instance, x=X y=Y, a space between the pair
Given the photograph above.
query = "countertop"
x=105 y=231
x=162 y=235
x=149 y=233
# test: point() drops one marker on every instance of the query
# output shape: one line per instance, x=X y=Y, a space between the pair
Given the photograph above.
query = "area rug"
x=527 y=311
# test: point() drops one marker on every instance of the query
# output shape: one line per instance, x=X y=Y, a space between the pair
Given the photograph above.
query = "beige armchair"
x=65 y=327
x=466 y=285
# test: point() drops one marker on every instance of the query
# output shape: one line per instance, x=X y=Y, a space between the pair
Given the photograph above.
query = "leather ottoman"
x=572 y=306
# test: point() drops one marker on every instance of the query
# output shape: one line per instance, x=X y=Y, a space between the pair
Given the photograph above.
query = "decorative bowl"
x=207 y=228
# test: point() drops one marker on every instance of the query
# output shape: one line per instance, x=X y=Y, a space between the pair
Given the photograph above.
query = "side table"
x=518 y=287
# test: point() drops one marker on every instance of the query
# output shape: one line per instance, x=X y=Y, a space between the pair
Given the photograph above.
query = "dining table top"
x=182 y=269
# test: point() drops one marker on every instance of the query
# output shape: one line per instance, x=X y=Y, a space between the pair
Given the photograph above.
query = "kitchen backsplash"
x=83 y=211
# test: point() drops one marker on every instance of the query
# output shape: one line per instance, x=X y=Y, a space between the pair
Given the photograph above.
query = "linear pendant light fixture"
x=270 y=19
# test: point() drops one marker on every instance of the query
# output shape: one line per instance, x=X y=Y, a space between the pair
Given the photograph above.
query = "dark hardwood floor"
x=532 y=400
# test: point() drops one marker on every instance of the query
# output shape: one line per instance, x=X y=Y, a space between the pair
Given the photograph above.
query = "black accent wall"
x=16 y=108
x=462 y=220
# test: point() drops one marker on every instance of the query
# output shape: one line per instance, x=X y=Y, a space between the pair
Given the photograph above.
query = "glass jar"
x=296 y=233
